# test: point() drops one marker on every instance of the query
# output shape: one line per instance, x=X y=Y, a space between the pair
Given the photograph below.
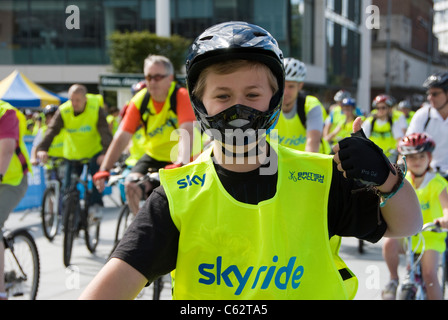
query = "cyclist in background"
x=87 y=135
x=431 y=190
x=152 y=108
x=385 y=127
x=14 y=167
x=338 y=97
x=113 y=119
x=228 y=214
x=56 y=147
x=406 y=108
x=432 y=119
x=343 y=128
x=136 y=147
x=301 y=120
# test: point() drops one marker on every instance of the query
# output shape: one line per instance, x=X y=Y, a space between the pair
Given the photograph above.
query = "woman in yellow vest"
x=431 y=190
x=247 y=219
x=385 y=127
x=14 y=166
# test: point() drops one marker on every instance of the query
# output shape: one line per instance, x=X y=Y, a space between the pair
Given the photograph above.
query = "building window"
x=343 y=43
x=37 y=33
x=302 y=30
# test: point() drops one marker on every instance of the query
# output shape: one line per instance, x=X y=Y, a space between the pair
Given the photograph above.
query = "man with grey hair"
x=164 y=110
x=87 y=133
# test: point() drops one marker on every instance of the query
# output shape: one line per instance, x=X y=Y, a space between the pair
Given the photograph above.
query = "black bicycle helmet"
x=50 y=109
x=437 y=80
x=231 y=41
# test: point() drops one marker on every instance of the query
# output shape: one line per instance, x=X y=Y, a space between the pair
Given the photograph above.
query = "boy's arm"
x=117 y=280
x=361 y=160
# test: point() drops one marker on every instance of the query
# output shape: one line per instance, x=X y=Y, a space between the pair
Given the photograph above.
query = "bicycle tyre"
x=407 y=293
x=50 y=217
x=442 y=274
x=91 y=230
x=23 y=256
x=122 y=224
x=157 y=289
x=71 y=208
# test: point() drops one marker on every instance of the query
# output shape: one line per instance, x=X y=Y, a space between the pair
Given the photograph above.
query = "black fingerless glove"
x=363 y=161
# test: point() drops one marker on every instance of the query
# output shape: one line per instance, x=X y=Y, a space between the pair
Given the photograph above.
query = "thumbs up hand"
x=358 y=158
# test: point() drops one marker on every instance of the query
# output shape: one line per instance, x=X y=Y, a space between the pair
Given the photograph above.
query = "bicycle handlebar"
x=150 y=176
x=434 y=227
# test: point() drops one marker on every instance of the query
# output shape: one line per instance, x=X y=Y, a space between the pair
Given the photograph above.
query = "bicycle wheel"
x=49 y=214
x=441 y=273
x=22 y=269
x=158 y=287
x=124 y=219
x=71 y=207
x=92 y=230
x=407 y=292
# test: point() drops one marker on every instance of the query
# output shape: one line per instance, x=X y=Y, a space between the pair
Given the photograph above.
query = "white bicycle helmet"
x=295 y=70
x=341 y=95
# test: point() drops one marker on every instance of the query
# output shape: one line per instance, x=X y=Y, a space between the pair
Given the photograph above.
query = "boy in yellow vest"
x=250 y=220
x=14 y=166
x=431 y=190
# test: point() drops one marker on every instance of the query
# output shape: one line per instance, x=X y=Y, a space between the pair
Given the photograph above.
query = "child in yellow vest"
x=248 y=219
x=431 y=190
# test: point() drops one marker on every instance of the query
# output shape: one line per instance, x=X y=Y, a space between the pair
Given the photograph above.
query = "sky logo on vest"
x=189 y=181
x=252 y=279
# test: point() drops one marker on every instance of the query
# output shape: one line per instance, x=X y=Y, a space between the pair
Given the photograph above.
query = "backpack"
x=145 y=112
x=301 y=109
x=301 y=99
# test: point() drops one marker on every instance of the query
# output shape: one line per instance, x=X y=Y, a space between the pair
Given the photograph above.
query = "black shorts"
x=146 y=162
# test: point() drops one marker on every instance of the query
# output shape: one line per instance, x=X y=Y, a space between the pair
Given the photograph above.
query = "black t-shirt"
x=151 y=243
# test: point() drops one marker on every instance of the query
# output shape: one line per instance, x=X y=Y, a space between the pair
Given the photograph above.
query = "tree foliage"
x=128 y=50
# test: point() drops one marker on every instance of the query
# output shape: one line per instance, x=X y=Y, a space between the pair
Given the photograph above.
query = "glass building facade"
x=325 y=34
x=343 y=18
x=35 y=32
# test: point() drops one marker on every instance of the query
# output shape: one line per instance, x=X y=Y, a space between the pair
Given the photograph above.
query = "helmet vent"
x=260 y=34
x=206 y=38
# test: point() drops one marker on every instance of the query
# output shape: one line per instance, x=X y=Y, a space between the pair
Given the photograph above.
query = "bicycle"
x=76 y=213
x=22 y=268
x=413 y=286
x=126 y=216
x=51 y=211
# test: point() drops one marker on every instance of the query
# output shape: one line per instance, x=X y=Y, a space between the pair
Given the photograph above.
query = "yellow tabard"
x=277 y=249
x=82 y=139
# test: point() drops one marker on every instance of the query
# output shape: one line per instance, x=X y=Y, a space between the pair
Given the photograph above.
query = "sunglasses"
x=156 y=77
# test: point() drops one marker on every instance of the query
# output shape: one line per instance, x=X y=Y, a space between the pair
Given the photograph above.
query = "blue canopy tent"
x=21 y=92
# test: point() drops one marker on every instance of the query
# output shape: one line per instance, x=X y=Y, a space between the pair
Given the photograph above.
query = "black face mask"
x=239 y=125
